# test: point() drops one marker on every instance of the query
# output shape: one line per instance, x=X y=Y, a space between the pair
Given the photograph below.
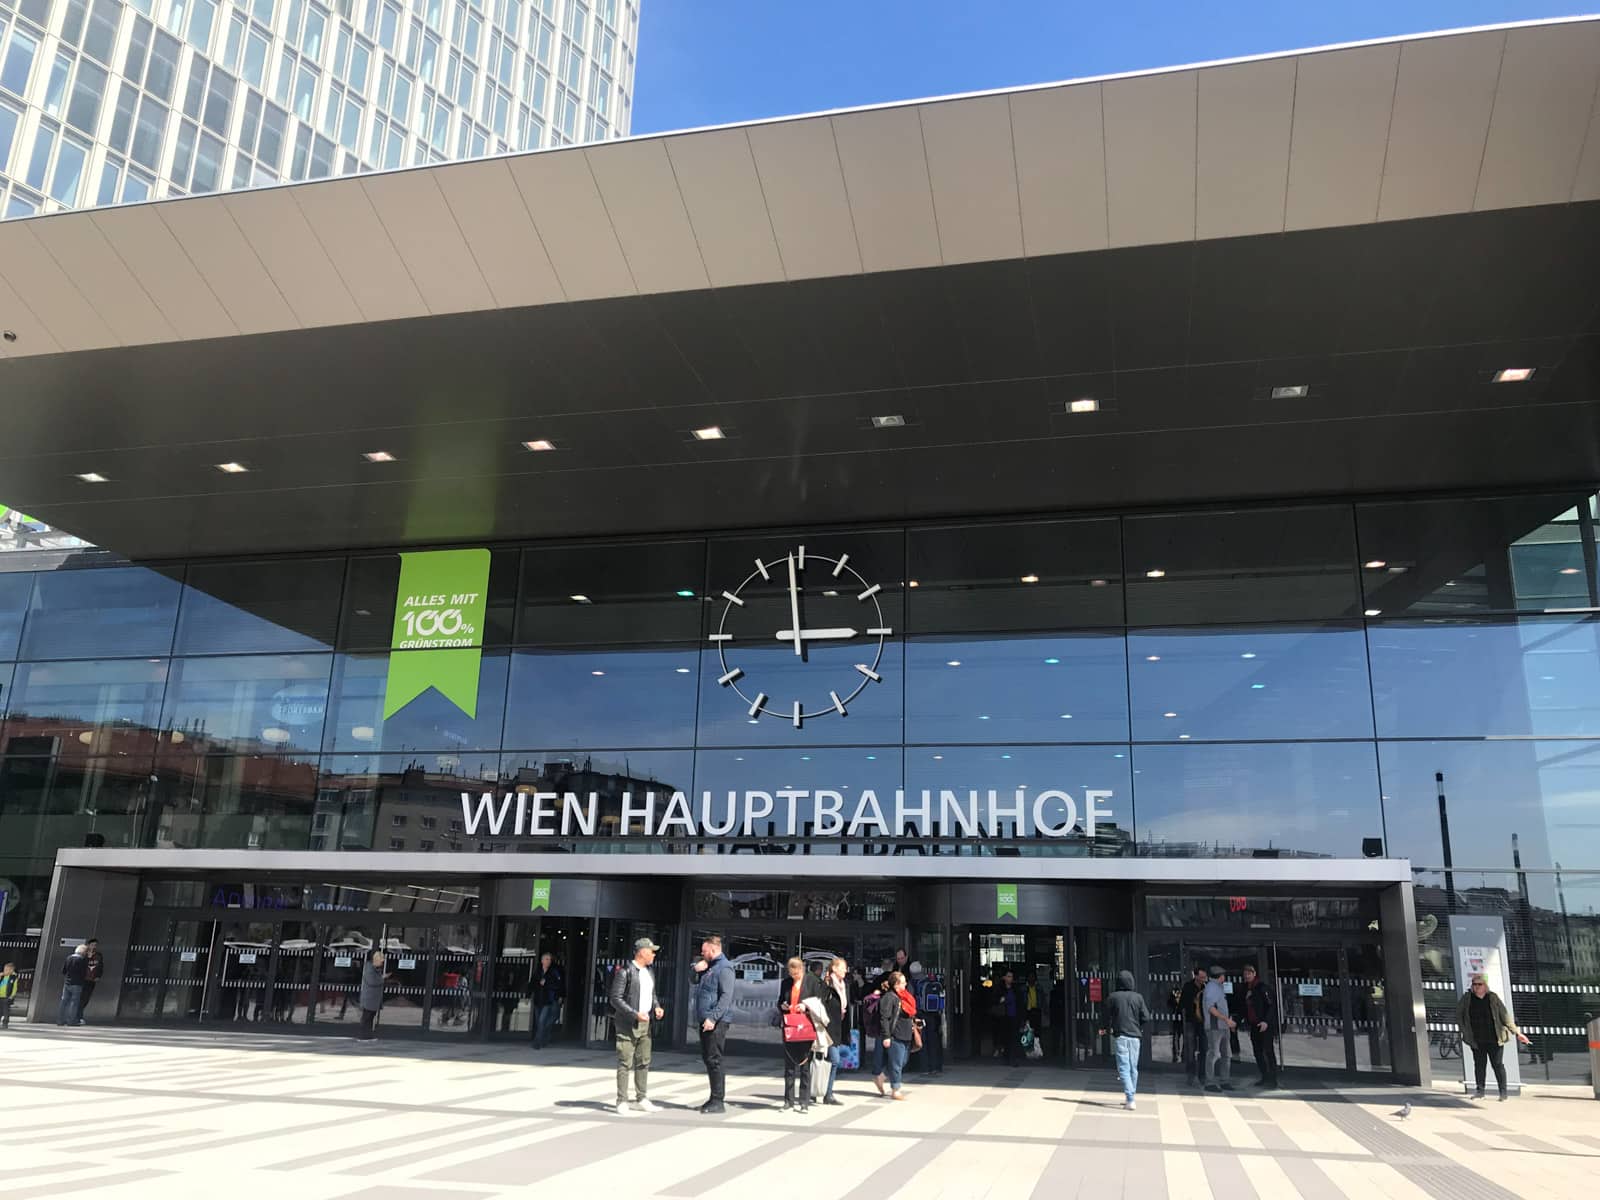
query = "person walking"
x=898 y=1031
x=1194 y=1028
x=1014 y=1011
x=8 y=993
x=799 y=1032
x=836 y=1003
x=1261 y=1019
x=1219 y=1025
x=91 y=976
x=1126 y=1012
x=73 y=973
x=1486 y=1026
x=633 y=1003
x=370 y=997
x=546 y=989
x=713 y=1008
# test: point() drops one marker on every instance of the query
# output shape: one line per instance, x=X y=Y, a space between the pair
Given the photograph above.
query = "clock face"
x=818 y=609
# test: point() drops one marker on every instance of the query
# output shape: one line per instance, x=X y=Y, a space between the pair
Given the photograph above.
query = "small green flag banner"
x=438 y=628
x=1005 y=901
x=541 y=896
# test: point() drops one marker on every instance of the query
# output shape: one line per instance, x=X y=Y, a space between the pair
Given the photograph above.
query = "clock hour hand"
x=794 y=606
x=814 y=635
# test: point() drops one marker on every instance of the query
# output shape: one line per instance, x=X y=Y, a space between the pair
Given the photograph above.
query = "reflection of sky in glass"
x=430 y=722
x=110 y=612
x=873 y=717
x=14 y=591
x=269 y=702
x=600 y=697
x=91 y=693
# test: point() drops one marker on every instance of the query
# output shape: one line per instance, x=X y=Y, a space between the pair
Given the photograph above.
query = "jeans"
x=633 y=1058
x=71 y=1004
x=880 y=1057
x=1127 y=1049
x=5 y=1013
x=712 y=1042
x=1489 y=1056
x=1219 y=1055
x=835 y=1057
x=544 y=1023
x=897 y=1054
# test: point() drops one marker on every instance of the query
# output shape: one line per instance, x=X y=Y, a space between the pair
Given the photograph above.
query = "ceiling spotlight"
x=1051 y=661
x=232 y=468
x=1156 y=573
x=1372 y=612
x=92 y=477
x=597 y=672
x=888 y=421
x=1376 y=564
x=913 y=583
x=539 y=444
x=1066 y=716
x=1291 y=391
x=686 y=593
x=1097 y=583
x=1030 y=579
x=954 y=662
x=1152 y=658
x=1169 y=715
x=711 y=433
x=683 y=670
x=1248 y=654
x=378 y=456
x=1086 y=405
x=1514 y=374
x=1183 y=737
x=1564 y=570
x=579 y=598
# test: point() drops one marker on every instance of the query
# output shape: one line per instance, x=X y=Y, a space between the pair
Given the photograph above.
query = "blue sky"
x=705 y=62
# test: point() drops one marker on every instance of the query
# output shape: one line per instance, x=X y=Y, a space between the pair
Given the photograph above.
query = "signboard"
x=540 y=898
x=1097 y=989
x=439 y=608
x=189 y=956
x=247 y=957
x=408 y=964
x=1478 y=947
x=1311 y=989
x=344 y=960
x=1005 y=901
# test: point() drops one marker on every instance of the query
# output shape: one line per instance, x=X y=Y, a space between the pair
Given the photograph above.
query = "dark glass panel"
x=370 y=801
x=872 y=707
x=256 y=704
x=1065 y=687
x=998 y=578
x=1540 y=792
x=15 y=588
x=1533 y=676
x=94 y=708
x=646 y=592
x=605 y=774
x=851 y=772
x=109 y=612
x=1514 y=553
x=234 y=802
x=1289 y=800
x=282 y=606
x=47 y=803
x=1265 y=564
x=367 y=621
x=1271 y=682
x=602 y=697
x=1259 y=912
x=429 y=722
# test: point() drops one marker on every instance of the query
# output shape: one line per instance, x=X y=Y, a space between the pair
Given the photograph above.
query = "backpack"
x=931 y=997
x=869 y=1015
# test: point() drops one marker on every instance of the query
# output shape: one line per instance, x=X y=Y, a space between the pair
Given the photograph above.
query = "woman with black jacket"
x=898 y=1028
x=836 y=1000
x=793 y=992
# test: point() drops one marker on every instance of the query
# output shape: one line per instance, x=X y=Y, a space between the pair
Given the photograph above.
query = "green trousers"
x=633 y=1058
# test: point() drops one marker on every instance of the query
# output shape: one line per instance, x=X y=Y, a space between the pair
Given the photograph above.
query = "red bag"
x=797 y=1027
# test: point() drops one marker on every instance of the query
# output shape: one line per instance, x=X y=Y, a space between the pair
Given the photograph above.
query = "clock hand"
x=794 y=606
x=811 y=635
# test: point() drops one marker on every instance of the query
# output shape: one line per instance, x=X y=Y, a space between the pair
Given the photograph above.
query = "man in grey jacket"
x=1125 y=1013
x=633 y=1003
x=713 y=1006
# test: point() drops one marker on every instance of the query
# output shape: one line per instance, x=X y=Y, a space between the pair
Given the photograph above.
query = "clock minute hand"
x=794 y=606
x=813 y=635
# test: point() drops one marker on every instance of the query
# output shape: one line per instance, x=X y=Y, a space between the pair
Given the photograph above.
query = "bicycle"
x=1448 y=1044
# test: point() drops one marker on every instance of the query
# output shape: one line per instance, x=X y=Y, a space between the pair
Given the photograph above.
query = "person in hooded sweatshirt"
x=1126 y=1012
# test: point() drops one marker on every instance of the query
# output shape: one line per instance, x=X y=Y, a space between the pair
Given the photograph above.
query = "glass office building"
x=844 y=562
x=112 y=102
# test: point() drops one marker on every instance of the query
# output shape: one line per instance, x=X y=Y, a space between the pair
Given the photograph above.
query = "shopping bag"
x=797 y=1027
x=850 y=1052
x=819 y=1075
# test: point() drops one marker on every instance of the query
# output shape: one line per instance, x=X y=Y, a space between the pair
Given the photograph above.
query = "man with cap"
x=633 y=1003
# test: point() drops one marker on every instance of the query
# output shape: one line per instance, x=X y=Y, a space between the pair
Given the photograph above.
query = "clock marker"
x=722 y=637
x=812 y=635
x=798 y=715
x=883 y=631
x=873 y=590
x=755 y=708
x=837 y=703
x=732 y=599
x=731 y=676
x=839 y=566
x=802 y=558
x=869 y=673
x=762 y=567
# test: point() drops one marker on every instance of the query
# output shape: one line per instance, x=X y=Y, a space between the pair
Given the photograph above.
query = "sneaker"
x=712 y=1108
x=1210 y=1087
x=1502 y=1095
x=1128 y=1104
x=1227 y=1087
x=648 y=1106
x=802 y=1107
x=1478 y=1095
x=625 y=1110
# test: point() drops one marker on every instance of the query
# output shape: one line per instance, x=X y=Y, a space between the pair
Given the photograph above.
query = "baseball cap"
x=644 y=944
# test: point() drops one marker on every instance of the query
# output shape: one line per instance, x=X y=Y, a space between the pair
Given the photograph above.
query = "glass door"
x=407 y=968
x=757 y=960
x=342 y=949
x=188 y=970
x=145 y=975
x=1311 y=1007
x=243 y=958
x=458 y=979
x=293 y=974
x=1369 y=1012
x=512 y=968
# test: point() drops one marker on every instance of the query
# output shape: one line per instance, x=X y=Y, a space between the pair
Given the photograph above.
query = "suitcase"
x=850 y=1055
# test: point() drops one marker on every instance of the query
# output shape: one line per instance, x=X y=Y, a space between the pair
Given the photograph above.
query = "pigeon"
x=1405 y=1110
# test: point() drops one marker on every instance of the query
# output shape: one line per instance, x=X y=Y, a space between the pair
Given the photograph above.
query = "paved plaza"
x=126 y=1113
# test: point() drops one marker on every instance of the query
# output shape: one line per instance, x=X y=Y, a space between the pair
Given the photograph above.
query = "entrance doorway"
x=519 y=945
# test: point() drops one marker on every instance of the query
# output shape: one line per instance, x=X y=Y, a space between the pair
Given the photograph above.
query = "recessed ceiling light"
x=1256 y=687
x=888 y=421
x=1291 y=391
x=1248 y=654
x=1066 y=716
x=1183 y=737
x=1005 y=756
x=913 y=583
x=1376 y=564
x=1097 y=583
x=232 y=468
x=938 y=758
x=1087 y=404
x=711 y=433
x=1152 y=658
x=378 y=456
x=1514 y=374
x=683 y=670
x=984 y=717
x=1372 y=612
x=92 y=477
x=1564 y=570
x=579 y=597
x=954 y=662
x=1050 y=662
x=1155 y=573
x=539 y=444
x=1169 y=715
x=1030 y=579
x=686 y=593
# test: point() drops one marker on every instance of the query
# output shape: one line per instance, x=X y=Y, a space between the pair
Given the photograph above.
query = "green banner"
x=1005 y=901
x=438 y=628
x=541 y=896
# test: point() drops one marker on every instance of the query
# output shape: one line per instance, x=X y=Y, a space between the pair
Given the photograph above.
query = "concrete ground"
x=140 y=1113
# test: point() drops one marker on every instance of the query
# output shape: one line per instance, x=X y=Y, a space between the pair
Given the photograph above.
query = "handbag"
x=797 y=1027
x=916 y=1035
x=821 y=1069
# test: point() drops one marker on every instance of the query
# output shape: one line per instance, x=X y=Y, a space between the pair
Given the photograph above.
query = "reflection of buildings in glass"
x=563 y=775
x=1223 y=849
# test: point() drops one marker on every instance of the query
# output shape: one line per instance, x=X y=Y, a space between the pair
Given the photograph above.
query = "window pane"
x=67 y=796
x=69 y=172
x=83 y=111
x=267 y=606
x=15 y=588
x=358 y=797
x=1538 y=676
x=208 y=164
x=105 y=707
x=850 y=772
x=1254 y=565
x=602 y=696
x=638 y=593
x=39 y=162
x=1308 y=799
x=200 y=23
x=428 y=722
x=102 y=32
x=255 y=58
x=55 y=93
x=163 y=72
x=110 y=177
x=257 y=704
x=1268 y=682
x=1453 y=556
x=1065 y=687
x=242 y=802
x=369 y=602
x=104 y=612
x=1502 y=798
x=10 y=118
x=148 y=133
x=608 y=774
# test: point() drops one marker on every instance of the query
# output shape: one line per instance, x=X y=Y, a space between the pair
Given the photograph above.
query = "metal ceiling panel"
x=1342 y=102
x=425 y=234
x=1541 y=116
x=144 y=243
x=53 y=297
x=974 y=176
x=494 y=221
x=1150 y=170
x=641 y=194
x=886 y=179
x=1242 y=160
x=18 y=318
x=1058 y=139
x=292 y=255
x=1442 y=102
x=228 y=264
x=348 y=228
x=81 y=250
x=560 y=193
x=798 y=162
x=721 y=191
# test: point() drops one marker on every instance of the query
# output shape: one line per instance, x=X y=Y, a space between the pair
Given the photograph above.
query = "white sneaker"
x=623 y=1110
x=1129 y=1105
x=647 y=1106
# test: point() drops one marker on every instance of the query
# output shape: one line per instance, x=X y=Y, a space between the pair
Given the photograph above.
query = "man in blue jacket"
x=713 y=1007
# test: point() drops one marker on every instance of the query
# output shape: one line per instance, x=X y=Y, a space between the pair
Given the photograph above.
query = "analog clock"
x=826 y=615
